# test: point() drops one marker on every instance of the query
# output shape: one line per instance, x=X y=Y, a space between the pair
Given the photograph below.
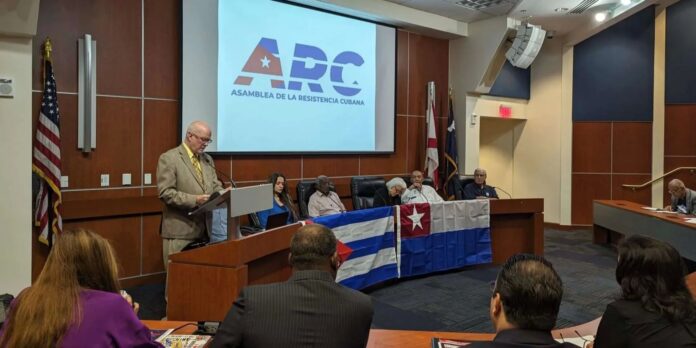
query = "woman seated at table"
x=390 y=194
x=655 y=308
x=282 y=202
x=75 y=302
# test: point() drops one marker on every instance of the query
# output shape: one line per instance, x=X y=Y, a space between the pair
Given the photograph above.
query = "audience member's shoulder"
x=632 y=310
x=354 y=295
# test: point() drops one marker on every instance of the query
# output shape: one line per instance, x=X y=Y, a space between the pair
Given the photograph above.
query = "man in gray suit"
x=309 y=310
x=683 y=199
x=185 y=179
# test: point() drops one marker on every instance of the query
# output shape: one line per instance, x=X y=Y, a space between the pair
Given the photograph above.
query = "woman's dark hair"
x=284 y=196
x=652 y=272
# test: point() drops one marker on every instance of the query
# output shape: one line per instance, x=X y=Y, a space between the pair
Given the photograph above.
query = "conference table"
x=196 y=276
x=380 y=338
x=613 y=219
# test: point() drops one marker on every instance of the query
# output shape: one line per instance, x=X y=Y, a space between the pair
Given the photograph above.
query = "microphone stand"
x=498 y=188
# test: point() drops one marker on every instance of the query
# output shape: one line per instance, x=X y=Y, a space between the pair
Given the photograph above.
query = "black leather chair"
x=459 y=190
x=305 y=189
x=362 y=190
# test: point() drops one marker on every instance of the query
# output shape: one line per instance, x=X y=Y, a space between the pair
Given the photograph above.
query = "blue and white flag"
x=366 y=246
x=441 y=236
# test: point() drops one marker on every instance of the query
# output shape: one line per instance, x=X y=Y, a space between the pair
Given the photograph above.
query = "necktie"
x=197 y=166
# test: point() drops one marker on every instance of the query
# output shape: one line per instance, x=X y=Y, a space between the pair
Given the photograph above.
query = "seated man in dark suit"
x=478 y=189
x=390 y=194
x=309 y=310
x=525 y=303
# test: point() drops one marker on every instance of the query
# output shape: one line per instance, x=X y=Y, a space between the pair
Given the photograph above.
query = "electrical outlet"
x=104 y=180
x=125 y=179
x=148 y=179
x=64 y=181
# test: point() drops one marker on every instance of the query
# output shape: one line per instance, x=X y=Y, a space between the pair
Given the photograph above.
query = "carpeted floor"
x=458 y=301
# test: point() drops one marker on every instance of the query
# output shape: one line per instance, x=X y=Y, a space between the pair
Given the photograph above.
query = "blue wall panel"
x=512 y=82
x=680 y=55
x=613 y=72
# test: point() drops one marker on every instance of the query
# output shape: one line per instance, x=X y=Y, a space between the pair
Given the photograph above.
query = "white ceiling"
x=552 y=15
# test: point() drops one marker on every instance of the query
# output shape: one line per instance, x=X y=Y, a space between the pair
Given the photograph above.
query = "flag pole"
x=47 y=49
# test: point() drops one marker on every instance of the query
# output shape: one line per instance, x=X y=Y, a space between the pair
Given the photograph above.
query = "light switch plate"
x=125 y=179
x=64 y=181
x=148 y=179
x=104 y=180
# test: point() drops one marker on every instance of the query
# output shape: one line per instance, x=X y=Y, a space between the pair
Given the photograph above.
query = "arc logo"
x=265 y=59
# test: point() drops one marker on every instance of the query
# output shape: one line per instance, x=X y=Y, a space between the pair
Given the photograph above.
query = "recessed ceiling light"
x=561 y=9
x=600 y=16
x=625 y=2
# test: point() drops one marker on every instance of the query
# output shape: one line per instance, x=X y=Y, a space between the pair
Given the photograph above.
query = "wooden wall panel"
x=160 y=132
x=643 y=196
x=428 y=61
x=81 y=195
x=115 y=25
x=162 y=48
x=118 y=145
x=591 y=147
x=402 y=73
x=585 y=189
x=259 y=168
x=152 y=245
x=680 y=125
x=416 y=143
x=632 y=147
x=607 y=155
x=313 y=166
x=124 y=235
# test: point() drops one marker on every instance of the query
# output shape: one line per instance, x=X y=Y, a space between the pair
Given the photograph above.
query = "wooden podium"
x=204 y=282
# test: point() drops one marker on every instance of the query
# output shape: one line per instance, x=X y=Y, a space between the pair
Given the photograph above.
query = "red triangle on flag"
x=344 y=251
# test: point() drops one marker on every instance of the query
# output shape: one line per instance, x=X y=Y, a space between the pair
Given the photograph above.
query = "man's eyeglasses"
x=204 y=140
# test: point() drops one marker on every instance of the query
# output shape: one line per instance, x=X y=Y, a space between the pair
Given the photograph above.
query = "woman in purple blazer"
x=75 y=302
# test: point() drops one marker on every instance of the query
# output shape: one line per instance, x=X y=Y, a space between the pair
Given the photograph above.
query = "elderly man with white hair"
x=390 y=194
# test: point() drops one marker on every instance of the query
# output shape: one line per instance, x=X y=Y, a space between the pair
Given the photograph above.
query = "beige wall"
x=525 y=158
x=497 y=150
x=15 y=130
x=538 y=154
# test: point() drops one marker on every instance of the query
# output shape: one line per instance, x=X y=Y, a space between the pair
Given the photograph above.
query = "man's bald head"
x=312 y=247
x=676 y=188
x=198 y=136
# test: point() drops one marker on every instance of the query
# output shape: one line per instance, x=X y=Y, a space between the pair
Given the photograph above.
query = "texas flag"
x=365 y=244
x=441 y=236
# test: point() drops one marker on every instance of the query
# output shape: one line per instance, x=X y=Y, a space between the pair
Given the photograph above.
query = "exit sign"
x=504 y=111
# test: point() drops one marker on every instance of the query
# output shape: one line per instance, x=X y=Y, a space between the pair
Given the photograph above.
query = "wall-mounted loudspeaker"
x=6 y=87
x=526 y=45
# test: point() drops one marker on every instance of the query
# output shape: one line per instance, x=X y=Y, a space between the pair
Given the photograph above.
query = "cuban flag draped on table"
x=366 y=245
x=441 y=236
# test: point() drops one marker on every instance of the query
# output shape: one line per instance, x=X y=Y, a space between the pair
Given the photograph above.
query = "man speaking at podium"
x=185 y=179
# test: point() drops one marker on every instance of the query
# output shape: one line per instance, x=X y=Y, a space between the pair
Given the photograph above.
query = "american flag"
x=46 y=162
